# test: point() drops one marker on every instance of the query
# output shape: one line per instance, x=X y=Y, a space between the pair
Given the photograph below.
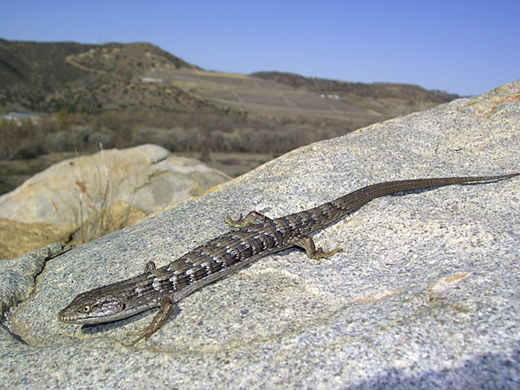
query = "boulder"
x=147 y=177
x=424 y=295
x=83 y=198
x=17 y=238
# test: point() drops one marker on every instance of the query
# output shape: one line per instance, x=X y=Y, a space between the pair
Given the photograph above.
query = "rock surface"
x=17 y=238
x=425 y=294
x=147 y=177
x=71 y=194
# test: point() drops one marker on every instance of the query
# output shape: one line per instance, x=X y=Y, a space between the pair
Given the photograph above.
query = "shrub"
x=57 y=142
x=104 y=137
x=79 y=136
x=29 y=151
x=150 y=135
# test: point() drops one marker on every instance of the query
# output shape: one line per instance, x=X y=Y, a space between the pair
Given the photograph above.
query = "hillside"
x=51 y=77
x=384 y=98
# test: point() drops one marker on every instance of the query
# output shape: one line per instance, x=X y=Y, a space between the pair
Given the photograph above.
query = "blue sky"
x=460 y=46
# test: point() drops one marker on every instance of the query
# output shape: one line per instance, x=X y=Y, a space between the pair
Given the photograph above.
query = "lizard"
x=255 y=236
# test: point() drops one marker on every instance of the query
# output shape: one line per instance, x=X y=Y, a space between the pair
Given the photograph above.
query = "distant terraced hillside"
x=251 y=94
x=52 y=77
x=386 y=99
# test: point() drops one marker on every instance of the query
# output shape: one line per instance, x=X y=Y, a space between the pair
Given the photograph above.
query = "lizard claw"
x=143 y=333
x=234 y=223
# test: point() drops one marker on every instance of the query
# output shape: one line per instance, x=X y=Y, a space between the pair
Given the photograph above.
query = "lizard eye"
x=86 y=309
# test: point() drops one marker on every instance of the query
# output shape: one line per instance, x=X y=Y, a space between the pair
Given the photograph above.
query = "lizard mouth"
x=73 y=319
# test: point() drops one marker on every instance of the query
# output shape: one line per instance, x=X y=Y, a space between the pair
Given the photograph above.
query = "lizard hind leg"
x=312 y=252
x=253 y=218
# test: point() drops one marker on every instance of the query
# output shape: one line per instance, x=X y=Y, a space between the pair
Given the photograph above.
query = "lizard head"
x=91 y=307
x=112 y=302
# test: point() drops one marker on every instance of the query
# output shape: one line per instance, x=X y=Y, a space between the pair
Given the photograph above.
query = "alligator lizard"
x=256 y=236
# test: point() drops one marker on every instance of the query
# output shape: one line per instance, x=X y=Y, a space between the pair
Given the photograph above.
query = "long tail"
x=330 y=211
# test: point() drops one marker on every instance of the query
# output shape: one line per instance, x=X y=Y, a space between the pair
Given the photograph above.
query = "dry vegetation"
x=176 y=132
x=28 y=149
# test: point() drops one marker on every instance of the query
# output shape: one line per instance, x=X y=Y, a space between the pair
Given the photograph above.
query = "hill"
x=51 y=77
x=384 y=98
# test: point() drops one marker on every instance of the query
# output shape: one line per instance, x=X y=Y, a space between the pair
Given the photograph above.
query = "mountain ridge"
x=378 y=89
x=75 y=77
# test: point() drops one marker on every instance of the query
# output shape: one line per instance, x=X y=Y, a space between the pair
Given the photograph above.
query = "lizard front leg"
x=253 y=218
x=160 y=318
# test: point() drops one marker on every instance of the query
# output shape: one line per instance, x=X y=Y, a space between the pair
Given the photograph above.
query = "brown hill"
x=87 y=78
x=386 y=98
x=41 y=64
x=75 y=77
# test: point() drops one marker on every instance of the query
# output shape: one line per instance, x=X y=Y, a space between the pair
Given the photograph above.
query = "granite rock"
x=89 y=196
x=17 y=238
x=425 y=295
x=147 y=177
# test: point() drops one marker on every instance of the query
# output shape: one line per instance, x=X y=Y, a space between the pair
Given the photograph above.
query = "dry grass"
x=95 y=212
